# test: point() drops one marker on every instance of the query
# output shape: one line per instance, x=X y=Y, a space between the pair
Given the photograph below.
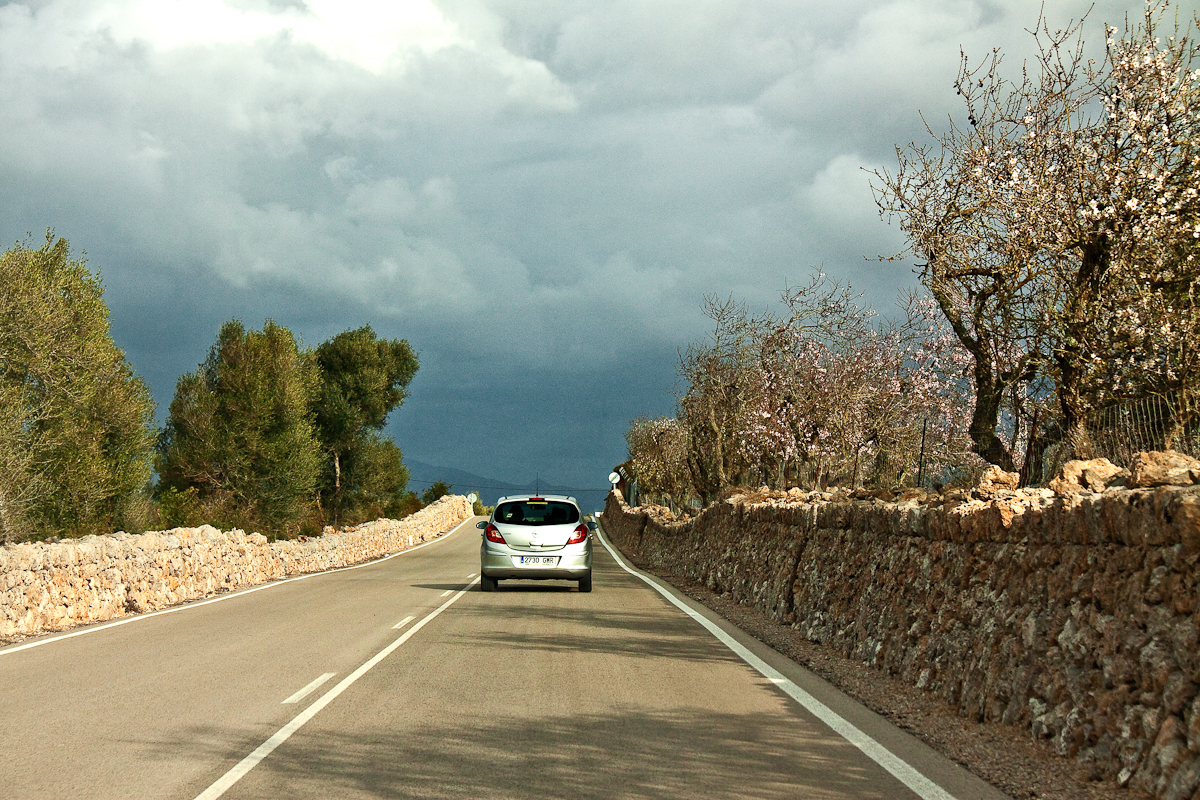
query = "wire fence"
x=1146 y=424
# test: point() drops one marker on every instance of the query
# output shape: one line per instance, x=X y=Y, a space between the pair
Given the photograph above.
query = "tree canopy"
x=363 y=379
x=1058 y=230
x=76 y=431
x=269 y=435
x=240 y=431
x=827 y=393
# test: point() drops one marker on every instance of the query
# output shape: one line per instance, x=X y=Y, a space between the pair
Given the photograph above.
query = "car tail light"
x=493 y=534
x=580 y=533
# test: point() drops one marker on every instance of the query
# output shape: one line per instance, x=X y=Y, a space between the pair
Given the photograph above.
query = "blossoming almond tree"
x=1057 y=229
x=855 y=389
x=719 y=391
x=658 y=456
x=828 y=393
x=1141 y=223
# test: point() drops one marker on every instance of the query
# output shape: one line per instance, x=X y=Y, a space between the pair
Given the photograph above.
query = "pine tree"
x=241 y=434
x=75 y=421
x=363 y=379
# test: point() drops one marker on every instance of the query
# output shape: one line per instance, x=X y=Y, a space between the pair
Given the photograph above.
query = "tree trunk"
x=989 y=386
x=1071 y=355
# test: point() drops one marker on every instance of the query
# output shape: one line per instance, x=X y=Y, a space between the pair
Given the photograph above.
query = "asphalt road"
x=419 y=685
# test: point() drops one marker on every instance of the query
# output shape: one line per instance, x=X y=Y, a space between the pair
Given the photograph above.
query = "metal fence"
x=1150 y=423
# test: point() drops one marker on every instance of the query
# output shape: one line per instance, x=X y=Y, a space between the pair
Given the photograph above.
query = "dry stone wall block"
x=46 y=586
x=1163 y=469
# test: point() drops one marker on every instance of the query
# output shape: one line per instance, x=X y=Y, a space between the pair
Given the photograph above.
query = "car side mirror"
x=482 y=524
x=592 y=526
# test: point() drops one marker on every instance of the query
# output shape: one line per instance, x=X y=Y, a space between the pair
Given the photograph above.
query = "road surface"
x=401 y=679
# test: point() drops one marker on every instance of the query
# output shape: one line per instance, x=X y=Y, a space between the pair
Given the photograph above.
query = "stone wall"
x=51 y=586
x=1071 y=613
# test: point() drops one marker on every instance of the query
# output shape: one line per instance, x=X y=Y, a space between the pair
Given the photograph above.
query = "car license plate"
x=537 y=561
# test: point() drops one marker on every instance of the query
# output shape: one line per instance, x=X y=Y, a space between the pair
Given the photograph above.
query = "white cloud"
x=376 y=36
x=838 y=204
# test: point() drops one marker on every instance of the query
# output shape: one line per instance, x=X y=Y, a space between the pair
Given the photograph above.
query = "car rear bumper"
x=571 y=565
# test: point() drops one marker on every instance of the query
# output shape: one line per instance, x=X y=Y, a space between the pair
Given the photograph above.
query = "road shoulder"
x=910 y=722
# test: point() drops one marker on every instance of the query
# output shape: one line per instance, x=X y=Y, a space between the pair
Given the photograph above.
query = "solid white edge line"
x=307 y=690
x=230 y=596
x=402 y=623
x=900 y=769
x=283 y=734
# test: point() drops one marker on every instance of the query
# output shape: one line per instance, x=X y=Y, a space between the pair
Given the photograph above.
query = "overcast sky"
x=536 y=195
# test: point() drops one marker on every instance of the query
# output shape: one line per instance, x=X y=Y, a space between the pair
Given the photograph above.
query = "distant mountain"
x=421 y=475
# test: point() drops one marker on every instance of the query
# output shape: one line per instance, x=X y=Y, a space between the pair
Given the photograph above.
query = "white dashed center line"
x=307 y=690
x=283 y=734
x=403 y=622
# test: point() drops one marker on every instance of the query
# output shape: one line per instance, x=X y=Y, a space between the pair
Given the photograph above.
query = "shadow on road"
x=511 y=712
x=625 y=754
x=518 y=585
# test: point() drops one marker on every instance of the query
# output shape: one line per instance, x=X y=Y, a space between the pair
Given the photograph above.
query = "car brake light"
x=580 y=533
x=493 y=534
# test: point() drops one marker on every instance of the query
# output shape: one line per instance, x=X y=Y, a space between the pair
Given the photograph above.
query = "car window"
x=537 y=512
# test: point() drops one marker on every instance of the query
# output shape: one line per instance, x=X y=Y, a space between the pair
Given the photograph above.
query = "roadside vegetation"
x=1055 y=225
x=828 y=393
x=269 y=436
x=265 y=435
x=75 y=421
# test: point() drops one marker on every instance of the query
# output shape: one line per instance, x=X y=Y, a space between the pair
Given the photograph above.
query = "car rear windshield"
x=537 y=512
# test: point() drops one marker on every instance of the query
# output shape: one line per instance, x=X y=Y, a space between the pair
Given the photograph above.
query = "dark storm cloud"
x=536 y=195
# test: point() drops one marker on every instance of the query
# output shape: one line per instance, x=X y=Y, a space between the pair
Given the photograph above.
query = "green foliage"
x=373 y=479
x=267 y=436
x=435 y=492
x=403 y=505
x=241 y=434
x=480 y=510
x=75 y=422
x=179 y=509
x=363 y=379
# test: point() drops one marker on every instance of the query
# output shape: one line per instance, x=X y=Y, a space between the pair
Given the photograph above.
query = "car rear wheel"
x=487 y=584
x=585 y=584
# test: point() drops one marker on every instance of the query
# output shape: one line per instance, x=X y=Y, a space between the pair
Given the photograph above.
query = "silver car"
x=537 y=538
